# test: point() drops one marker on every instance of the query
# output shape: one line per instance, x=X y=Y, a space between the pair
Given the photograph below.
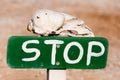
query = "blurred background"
x=102 y=16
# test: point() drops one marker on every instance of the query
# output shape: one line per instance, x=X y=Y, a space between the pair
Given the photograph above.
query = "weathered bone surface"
x=46 y=22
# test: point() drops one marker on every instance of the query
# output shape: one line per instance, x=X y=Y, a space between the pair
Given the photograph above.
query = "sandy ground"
x=103 y=16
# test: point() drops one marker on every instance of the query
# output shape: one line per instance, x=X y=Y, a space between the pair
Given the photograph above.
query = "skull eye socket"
x=45 y=13
x=38 y=17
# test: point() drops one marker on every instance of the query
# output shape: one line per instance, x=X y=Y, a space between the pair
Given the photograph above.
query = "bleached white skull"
x=46 y=22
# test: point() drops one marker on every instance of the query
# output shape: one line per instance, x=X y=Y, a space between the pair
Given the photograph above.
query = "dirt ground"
x=102 y=16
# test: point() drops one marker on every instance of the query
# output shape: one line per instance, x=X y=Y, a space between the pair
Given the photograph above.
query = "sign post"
x=57 y=54
x=54 y=74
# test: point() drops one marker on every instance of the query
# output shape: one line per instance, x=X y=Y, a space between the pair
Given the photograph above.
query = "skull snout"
x=29 y=28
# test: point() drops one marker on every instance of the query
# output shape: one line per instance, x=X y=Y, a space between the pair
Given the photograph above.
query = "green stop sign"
x=57 y=52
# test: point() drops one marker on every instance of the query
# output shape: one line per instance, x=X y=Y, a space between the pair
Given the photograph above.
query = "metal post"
x=56 y=74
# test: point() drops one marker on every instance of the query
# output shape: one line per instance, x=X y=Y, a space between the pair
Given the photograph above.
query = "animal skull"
x=46 y=22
